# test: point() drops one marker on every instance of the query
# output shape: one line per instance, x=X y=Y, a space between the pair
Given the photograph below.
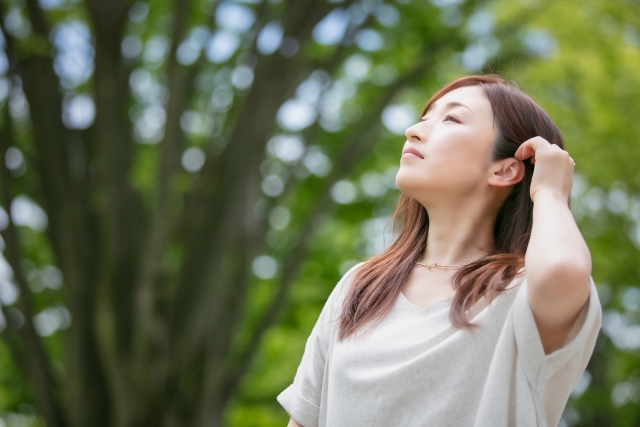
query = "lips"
x=413 y=151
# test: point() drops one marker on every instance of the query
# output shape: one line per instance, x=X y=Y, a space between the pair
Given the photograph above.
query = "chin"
x=422 y=188
x=407 y=180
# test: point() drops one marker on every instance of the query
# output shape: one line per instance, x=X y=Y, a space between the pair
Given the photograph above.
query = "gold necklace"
x=435 y=265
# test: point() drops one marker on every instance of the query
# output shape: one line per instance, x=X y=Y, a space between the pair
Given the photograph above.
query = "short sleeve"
x=554 y=375
x=302 y=399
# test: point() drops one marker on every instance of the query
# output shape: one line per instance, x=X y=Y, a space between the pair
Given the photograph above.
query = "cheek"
x=467 y=149
x=456 y=156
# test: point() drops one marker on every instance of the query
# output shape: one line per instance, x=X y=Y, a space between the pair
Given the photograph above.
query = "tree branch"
x=37 y=18
x=36 y=364
x=121 y=220
x=71 y=225
x=150 y=270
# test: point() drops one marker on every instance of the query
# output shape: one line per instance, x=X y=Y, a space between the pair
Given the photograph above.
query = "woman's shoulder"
x=350 y=272
x=347 y=279
x=338 y=294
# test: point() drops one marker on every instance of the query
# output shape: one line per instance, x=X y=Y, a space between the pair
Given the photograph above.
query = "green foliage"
x=578 y=59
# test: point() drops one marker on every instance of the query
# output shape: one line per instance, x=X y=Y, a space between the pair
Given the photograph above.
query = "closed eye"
x=447 y=117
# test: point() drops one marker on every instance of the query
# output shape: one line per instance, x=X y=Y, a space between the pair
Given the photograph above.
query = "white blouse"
x=416 y=369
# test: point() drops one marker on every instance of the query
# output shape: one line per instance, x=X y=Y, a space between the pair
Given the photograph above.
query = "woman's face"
x=452 y=142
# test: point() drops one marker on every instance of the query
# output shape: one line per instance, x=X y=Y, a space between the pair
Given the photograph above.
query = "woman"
x=483 y=311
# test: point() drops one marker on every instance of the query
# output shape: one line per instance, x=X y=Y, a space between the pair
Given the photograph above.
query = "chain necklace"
x=435 y=265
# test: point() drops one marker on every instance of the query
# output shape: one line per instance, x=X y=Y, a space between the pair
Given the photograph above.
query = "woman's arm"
x=293 y=423
x=558 y=262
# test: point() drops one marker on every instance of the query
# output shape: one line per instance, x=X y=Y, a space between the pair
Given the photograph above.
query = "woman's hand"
x=554 y=167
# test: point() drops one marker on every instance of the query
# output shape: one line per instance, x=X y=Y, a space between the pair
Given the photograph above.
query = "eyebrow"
x=449 y=106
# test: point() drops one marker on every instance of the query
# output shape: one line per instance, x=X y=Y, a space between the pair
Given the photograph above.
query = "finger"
x=519 y=154
x=531 y=146
x=539 y=143
x=524 y=151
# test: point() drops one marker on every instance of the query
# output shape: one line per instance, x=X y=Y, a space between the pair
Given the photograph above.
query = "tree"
x=189 y=156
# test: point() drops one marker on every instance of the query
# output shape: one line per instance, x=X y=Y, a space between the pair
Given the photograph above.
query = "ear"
x=506 y=172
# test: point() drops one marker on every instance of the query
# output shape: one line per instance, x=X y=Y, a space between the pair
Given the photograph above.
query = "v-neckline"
x=423 y=310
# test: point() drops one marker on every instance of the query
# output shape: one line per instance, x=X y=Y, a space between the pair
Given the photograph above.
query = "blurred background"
x=184 y=182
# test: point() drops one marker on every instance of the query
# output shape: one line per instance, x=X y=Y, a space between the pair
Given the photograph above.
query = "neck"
x=458 y=235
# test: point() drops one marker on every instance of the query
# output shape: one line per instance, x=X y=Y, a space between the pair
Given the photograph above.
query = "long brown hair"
x=377 y=283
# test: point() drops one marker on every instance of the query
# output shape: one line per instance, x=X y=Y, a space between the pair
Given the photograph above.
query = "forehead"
x=473 y=97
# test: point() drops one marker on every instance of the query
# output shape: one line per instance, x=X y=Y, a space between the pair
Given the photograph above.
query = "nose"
x=415 y=133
